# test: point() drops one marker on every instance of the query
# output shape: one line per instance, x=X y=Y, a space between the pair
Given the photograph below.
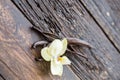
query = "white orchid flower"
x=53 y=53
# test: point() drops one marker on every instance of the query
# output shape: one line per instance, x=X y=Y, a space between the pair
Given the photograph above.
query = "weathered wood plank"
x=16 y=58
x=64 y=18
x=106 y=15
x=71 y=18
x=1 y=78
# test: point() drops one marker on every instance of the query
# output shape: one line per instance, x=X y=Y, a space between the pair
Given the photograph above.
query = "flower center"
x=60 y=58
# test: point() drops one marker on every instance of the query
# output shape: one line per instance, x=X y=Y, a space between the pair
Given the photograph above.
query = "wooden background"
x=95 y=21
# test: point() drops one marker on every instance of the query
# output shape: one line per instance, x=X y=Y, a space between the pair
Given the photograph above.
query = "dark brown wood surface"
x=95 y=21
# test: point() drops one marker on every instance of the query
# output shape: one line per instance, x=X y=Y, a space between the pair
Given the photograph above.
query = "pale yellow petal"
x=55 y=47
x=65 y=61
x=56 y=68
x=64 y=48
x=45 y=54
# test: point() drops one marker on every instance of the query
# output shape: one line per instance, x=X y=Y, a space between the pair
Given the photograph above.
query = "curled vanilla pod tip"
x=39 y=43
x=75 y=41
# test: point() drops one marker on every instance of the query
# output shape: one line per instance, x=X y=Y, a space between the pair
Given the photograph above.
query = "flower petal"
x=56 y=67
x=55 y=47
x=65 y=60
x=64 y=43
x=45 y=54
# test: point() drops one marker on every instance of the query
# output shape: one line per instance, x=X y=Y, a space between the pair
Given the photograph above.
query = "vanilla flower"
x=53 y=53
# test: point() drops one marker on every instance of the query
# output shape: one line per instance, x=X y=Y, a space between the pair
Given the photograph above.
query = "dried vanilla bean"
x=39 y=43
x=75 y=41
x=71 y=41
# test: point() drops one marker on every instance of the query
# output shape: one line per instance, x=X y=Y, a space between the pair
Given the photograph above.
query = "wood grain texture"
x=91 y=21
x=16 y=58
x=106 y=14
